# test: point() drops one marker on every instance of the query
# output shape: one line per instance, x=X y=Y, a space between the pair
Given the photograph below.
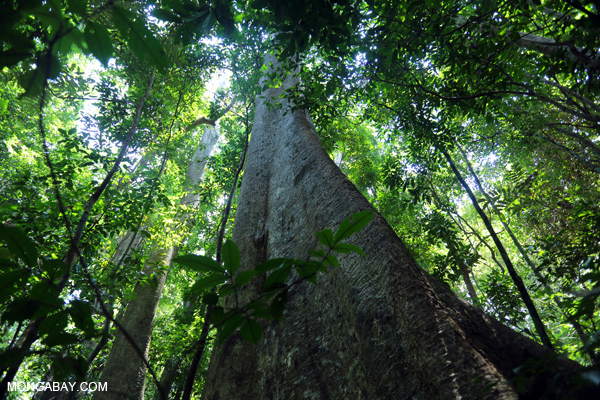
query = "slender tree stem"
x=32 y=331
x=576 y=325
x=191 y=376
x=481 y=241
x=464 y=269
x=537 y=321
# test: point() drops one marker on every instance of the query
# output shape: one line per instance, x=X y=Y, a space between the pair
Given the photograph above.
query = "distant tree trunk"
x=129 y=242
x=125 y=371
x=465 y=271
x=168 y=375
x=174 y=365
x=572 y=320
x=512 y=272
x=379 y=327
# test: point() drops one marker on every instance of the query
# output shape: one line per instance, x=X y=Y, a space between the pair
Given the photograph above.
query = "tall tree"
x=379 y=327
x=125 y=368
x=523 y=74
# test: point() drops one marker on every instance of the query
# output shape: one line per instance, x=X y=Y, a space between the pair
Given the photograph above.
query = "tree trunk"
x=464 y=268
x=379 y=327
x=125 y=371
x=516 y=278
x=572 y=320
x=129 y=242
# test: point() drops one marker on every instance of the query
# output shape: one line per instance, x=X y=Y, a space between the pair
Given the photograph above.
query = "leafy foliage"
x=390 y=86
x=268 y=303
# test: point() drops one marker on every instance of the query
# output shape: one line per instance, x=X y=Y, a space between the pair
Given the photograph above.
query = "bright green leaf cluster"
x=28 y=291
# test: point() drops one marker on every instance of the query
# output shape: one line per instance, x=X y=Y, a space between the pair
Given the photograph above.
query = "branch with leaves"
x=270 y=302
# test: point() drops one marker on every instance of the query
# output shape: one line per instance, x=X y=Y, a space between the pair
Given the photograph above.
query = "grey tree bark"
x=125 y=371
x=379 y=327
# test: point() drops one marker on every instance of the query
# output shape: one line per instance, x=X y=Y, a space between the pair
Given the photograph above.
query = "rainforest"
x=303 y=199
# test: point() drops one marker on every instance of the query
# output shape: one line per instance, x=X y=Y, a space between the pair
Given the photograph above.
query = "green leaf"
x=256 y=305
x=278 y=305
x=326 y=237
x=309 y=268
x=235 y=321
x=259 y=4
x=208 y=23
x=166 y=15
x=13 y=355
x=19 y=245
x=48 y=67
x=317 y=253
x=216 y=315
x=46 y=293
x=207 y=282
x=251 y=331
x=271 y=264
x=79 y=7
x=12 y=282
x=153 y=282
x=65 y=367
x=355 y=223
x=139 y=38
x=277 y=277
x=226 y=289
x=81 y=314
x=54 y=268
x=231 y=256
x=98 y=41
x=20 y=310
x=332 y=260
x=14 y=55
x=210 y=298
x=244 y=277
x=347 y=248
x=56 y=322
x=196 y=16
x=60 y=339
x=264 y=313
x=65 y=44
x=199 y=263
